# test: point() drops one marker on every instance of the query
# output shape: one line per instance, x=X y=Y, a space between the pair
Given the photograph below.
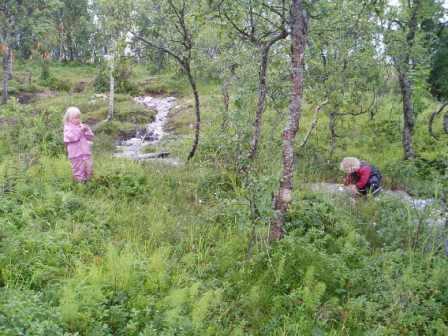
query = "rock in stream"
x=435 y=215
x=151 y=134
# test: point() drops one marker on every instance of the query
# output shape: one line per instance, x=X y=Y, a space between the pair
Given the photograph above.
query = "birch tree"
x=299 y=33
x=439 y=75
x=17 y=16
x=182 y=21
x=261 y=24
x=114 y=19
x=74 y=30
x=344 y=68
x=405 y=42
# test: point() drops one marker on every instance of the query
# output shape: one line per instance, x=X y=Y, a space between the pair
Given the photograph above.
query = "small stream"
x=153 y=133
x=436 y=217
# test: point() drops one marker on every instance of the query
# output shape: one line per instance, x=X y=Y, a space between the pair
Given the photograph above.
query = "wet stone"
x=151 y=134
x=434 y=214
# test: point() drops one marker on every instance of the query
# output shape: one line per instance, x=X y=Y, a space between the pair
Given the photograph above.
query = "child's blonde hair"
x=350 y=164
x=71 y=112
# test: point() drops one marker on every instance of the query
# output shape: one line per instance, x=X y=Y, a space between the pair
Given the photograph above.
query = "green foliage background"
x=146 y=249
x=153 y=249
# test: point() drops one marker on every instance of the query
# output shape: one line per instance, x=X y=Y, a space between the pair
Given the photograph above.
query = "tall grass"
x=150 y=249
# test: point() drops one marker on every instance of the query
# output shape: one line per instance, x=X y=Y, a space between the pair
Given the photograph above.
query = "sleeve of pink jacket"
x=72 y=134
x=88 y=133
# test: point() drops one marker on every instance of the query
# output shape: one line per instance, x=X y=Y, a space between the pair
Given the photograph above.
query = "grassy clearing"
x=149 y=249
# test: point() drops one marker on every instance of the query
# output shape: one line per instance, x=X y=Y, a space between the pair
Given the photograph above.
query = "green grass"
x=150 y=249
x=65 y=76
x=169 y=245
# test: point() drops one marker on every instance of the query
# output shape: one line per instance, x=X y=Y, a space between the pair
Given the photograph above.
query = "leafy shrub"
x=115 y=128
x=56 y=84
x=124 y=184
x=146 y=249
x=24 y=312
x=388 y=129
x=45 y=70
x=416 y=177
x=122 y=74
x=314 y=212
x=30 y=136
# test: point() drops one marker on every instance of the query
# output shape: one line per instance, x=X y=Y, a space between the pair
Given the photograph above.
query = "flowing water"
x=436 y=216
x=152 y=134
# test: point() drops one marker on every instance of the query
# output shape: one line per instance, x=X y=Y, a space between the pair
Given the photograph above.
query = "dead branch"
x=433 y=116
x=313 y=124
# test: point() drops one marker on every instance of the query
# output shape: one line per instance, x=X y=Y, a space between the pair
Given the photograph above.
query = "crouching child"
x=364 y=177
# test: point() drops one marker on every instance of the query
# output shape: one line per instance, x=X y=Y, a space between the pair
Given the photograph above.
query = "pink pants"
x=82 y=168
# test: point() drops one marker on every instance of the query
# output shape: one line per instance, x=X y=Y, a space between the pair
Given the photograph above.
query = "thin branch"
x=399 y=23
x=243 y=33
x=283 y=34
x=274 y=24
x=251 y=20
x=313 y=124
x=174 y=8
x=372 y=104
x=433 y=116
x=155 y=46
x=181 y=27
x=279 y=10
x=174 y=41
x=351 y=113
x=255 y=217
x=373 y=101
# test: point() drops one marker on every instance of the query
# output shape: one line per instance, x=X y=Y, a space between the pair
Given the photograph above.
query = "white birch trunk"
x=110 y=112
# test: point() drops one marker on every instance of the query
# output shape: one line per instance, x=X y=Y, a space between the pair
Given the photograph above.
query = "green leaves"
x=32 y=18
x=24 y=313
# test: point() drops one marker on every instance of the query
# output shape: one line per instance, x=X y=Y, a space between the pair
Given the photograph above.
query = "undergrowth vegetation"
x=148 y=249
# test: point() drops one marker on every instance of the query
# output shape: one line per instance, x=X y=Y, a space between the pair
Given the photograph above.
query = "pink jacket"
x=77 y=141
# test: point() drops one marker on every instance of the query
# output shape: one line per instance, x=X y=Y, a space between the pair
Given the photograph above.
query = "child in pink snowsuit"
x=77 y=140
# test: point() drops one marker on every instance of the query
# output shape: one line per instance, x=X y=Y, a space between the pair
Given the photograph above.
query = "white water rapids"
x=152 y=134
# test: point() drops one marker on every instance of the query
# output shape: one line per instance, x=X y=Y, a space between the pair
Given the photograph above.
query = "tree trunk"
x=110 y=112
x=61 y=47
x=30 y=78
x=185 y=67
x=11 y=59
x=6 y=73
x=160 y=60
x=45 y=68
x=405 y=83
x=283 y=197
x=332 y=128
x=227 y=83
x=261 y=102
x=433 y=117
x=226 y=101
x=445 y=123
x=197 y=125
x=70 y=47
x=408 y=115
